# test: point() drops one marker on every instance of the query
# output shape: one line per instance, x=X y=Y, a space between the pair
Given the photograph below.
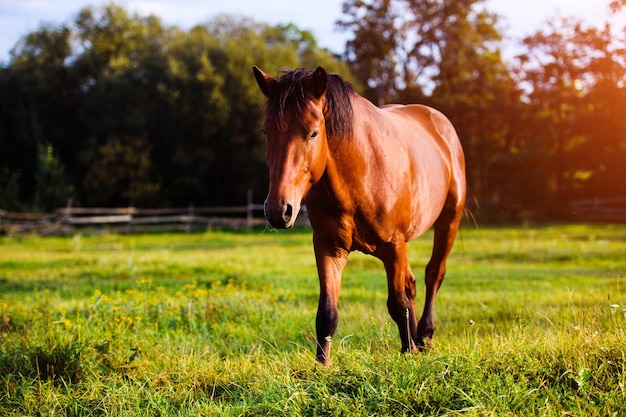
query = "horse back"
x=436 y=125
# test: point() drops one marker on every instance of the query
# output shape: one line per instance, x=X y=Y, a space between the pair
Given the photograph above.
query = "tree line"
x=117 y=109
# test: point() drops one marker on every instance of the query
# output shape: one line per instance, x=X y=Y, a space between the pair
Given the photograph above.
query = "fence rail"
x=609 y=210
x=69 y=219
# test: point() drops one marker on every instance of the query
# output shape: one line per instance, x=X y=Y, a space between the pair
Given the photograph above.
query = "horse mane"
x=290 y=91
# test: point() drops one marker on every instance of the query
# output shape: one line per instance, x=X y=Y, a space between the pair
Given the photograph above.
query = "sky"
x=519 y=17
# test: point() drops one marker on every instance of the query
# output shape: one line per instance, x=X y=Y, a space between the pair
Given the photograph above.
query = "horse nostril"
x=287 y=213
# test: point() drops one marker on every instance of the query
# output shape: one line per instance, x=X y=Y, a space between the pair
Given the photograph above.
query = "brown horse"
x=372 y=180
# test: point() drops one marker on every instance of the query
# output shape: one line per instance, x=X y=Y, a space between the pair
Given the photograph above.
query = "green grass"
x=223 y=324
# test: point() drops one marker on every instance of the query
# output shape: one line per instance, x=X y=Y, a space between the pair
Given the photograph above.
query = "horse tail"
x=471 y=204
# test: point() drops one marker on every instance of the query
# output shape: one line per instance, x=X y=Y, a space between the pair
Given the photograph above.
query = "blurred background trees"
x=538 y=130
x=117 y=109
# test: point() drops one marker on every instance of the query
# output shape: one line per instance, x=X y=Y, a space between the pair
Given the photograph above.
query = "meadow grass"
x=530 y=321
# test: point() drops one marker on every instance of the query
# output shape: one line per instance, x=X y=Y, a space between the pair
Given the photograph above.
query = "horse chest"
x=351 y=228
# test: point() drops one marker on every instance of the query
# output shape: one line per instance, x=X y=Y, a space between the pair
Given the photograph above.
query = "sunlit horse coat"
x=372 y=179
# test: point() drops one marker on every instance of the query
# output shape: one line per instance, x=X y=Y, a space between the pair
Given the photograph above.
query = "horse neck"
x=347 y=158
x=351 y=149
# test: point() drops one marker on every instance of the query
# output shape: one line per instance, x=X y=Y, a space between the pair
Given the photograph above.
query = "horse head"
x=296 y=141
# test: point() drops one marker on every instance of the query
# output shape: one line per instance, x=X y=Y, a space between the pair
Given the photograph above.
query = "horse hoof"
x=424 y=344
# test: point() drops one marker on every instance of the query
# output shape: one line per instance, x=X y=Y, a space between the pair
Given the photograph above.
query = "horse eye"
x=314 y=134
x=264 y=132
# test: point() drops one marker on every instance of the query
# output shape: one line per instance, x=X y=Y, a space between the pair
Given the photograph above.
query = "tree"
x=372 y=52
x=37 y=104
x=407 y=44
x=574 y=80
x=52 y=185
x=10 y=190
x=606 y=124
x=121 y=175
x=140 y=113
x=446 y=54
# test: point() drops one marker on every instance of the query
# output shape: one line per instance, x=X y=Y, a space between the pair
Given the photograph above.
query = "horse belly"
x=412 y=199
x=428 y=201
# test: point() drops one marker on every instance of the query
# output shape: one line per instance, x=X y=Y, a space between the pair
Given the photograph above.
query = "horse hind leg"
x=411 y=320
x=445 y=228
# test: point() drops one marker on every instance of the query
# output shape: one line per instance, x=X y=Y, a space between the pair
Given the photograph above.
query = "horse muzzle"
x=281 y=216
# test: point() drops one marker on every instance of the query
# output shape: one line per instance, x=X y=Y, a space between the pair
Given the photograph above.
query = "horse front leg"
x=401 y=293
x=330 y=264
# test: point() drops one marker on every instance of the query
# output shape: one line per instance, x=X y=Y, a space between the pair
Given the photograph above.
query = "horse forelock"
x=290 y=93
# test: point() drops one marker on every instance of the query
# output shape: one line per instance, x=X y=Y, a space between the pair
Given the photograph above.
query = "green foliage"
x=138 y=112
x=572 y=100
x=123 y=169
x=52 y=185
x=9 y=190
x=530 y=322
x=537 y=131
x=141 y=113
x=406 y=50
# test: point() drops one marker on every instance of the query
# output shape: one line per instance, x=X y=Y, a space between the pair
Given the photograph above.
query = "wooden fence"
x=605 y=210
x=69 y=219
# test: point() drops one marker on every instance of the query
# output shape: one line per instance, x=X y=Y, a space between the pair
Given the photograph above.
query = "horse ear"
x=265 y=82
x=319 y=82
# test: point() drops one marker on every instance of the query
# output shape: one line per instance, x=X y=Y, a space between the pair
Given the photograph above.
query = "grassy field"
x=531 y=321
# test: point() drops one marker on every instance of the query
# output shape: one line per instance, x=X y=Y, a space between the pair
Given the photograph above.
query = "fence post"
x=67 y=216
